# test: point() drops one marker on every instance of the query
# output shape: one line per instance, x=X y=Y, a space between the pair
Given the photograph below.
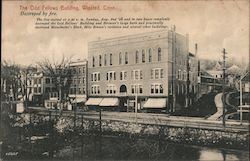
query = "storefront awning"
x=155 y=103
x=109 y=102
x=80 y=99
x=93 y=101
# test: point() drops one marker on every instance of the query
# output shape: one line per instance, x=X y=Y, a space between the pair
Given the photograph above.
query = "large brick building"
x=150 y=69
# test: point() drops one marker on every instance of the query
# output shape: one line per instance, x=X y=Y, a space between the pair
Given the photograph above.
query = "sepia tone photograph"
x=125 y=80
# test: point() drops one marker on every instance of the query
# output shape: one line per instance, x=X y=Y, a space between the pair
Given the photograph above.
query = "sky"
x=213 y=25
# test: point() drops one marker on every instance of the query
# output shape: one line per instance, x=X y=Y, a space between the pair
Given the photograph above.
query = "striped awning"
x=155 y=103
x=109 y=102
x=93 y=101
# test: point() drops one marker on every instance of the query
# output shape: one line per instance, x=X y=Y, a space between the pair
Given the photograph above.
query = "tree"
x=10 y=81
x=60 y=74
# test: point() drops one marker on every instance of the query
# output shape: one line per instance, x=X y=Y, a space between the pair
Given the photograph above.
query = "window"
x=120 y=58
x=93 y=62
x=95 y=89
x=136 y=56
x=161 y=73
x=156 y=88
x=79 y=70
x=100 y=60
x=123 y=75
x=136 y=88
x=35 y=90
x=105 y=60
x=110 y=59
x=150 y=55
x=39 y=89
x=136 y=74
x=159 y=54
x=143 y=56
x=83 y=80
x=39 y=81
x=157 y=73
x=184 y=75
x=95 y=77
x=47 y=80
x=111 y=75
x=179 y=74
x=111 y=89
x=35 y=80
x=126 y=58
x=83 y=91
x=83 y=70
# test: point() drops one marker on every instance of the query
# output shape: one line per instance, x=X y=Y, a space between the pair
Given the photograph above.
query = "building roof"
x=217 y=66
x=205 y=74
x=234 y=70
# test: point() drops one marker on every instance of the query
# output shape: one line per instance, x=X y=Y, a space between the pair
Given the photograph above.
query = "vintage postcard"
x=125 y=80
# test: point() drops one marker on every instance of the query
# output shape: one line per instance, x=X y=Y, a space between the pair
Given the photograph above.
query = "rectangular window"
x=110 y=59
x=105 y=59
x=39 y=89
x=156 y=88
x=161 y=88
x=140 y=88
x=152 y=88
x=125 y=76
x=83 y=70
x=156 y=74
x=100 y=60
x=161 y=73
x=132 y=89
x=121 y=78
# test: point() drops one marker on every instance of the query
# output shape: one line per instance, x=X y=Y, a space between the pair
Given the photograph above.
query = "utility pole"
x=241 y=104
x=223 y=89
x=136 y=102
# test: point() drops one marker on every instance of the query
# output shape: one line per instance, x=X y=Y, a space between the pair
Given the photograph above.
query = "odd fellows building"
x=146 y=71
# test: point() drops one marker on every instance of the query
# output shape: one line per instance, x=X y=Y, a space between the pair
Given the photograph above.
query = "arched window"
x=93 y=61
x=143 y=56
x=110 y=59
x=100 y=61
x=159 y=54
x=126 y=58
x=105 y=60
x=136 y=56
x=150 y=55
x=120 y=58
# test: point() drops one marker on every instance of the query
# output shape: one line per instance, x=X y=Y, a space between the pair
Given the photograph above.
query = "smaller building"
x=246 y=82
x=217 y=71
x=78 y=83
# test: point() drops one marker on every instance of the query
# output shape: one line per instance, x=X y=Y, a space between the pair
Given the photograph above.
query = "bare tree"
x=60 y=74
x=10 y=80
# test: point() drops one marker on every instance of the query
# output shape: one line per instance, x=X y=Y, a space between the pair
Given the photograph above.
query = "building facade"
x=78 y=83
x=139 y=72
